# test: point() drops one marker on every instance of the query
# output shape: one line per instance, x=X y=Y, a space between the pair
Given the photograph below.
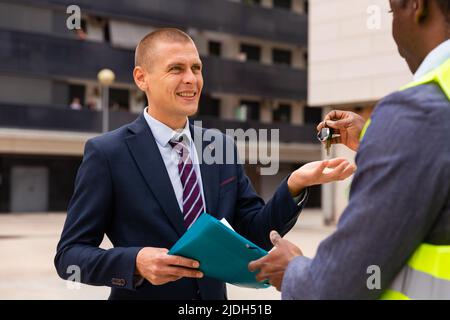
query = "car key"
x=325 y=135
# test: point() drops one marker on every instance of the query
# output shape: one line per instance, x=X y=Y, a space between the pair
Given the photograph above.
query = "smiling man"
x=142 y=186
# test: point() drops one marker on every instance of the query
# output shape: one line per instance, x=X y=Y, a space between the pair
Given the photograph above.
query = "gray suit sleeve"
x=395 y=197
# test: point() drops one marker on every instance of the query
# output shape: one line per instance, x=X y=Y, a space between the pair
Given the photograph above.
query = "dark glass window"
x=282 y=113
x=252 y=53
x=119 y=99
x=106 y=32
x=252 y=2
x=313 y=115
x=83 y=25
x=215 y=48
x=285 y=4
x=252 y=109
x=209 y=106
x=76 y=92
x=280 y=56
x=60 y=180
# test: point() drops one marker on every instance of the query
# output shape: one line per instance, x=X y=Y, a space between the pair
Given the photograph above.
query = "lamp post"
x=106 y=78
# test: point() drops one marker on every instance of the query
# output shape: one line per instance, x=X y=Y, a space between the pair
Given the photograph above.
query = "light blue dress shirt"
x=434 y=59
x=163 y=134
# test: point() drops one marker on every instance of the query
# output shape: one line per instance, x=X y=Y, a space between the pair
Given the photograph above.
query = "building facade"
x=353 y=62
x=255 y=60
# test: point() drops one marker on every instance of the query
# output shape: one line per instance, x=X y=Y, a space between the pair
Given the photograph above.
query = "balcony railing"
x=43 y=55
x=215 y=15
x=63 y=119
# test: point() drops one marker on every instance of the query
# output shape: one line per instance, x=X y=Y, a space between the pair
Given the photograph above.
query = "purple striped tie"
x=192 y=198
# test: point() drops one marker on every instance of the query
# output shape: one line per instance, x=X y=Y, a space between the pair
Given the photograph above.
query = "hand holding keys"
x=325 y=135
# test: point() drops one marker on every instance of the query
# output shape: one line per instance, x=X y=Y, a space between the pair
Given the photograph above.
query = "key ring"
x=325 y=134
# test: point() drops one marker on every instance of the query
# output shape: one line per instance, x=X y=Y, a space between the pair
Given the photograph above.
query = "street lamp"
x=106 y=78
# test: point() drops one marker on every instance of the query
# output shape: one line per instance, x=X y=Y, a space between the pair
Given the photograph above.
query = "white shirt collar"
x=434 y=59
x=163 y=134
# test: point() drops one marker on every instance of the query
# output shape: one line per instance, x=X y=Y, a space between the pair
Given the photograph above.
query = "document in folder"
x=223 y=253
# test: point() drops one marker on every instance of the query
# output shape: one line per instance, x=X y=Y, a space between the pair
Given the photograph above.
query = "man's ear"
x=420 y=10
x=139 y=78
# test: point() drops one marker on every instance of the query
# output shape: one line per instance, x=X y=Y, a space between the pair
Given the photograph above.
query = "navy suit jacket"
x=122 y=189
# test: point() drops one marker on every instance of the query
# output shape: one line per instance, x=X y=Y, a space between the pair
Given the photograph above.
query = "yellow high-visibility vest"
x=426 y=275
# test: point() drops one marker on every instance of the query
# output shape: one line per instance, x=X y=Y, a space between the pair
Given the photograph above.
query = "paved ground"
x=27 y=248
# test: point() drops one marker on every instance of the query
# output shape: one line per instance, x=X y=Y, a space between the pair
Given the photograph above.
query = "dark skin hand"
x=347 y=124
x=273 y=266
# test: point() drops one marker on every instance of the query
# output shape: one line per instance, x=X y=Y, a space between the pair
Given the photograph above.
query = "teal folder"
x=223 y=253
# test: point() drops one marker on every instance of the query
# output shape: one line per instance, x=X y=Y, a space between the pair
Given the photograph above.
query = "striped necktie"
x=193 y=204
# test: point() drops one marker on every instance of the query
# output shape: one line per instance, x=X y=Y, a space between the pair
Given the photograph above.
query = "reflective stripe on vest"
x=427 y=273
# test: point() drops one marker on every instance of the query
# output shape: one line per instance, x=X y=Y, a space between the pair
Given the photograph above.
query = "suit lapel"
x=145 y=152
x=210 y=172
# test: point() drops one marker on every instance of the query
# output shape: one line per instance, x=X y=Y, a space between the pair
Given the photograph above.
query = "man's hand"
x=273 y=265
x=319 y=172
x=348 y=124
x=155 y=265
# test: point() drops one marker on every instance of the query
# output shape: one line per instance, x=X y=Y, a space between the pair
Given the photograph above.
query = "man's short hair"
x=147 y=44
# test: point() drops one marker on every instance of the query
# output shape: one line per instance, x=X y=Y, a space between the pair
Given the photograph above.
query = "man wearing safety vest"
x=393 y=239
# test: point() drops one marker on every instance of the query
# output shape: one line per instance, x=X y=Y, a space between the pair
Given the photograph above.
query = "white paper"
x=225 y=222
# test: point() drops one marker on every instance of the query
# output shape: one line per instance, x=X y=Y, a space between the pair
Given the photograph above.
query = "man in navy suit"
x=400 y=195
x=133 y=187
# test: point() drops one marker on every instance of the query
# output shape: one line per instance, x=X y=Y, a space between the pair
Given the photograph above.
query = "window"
x=76 y=96
x=313 y=115
x=248 y=110
x=252 y=2
x=280 y=56
x=251 y=52
x=119 y=99
x=106 y=32
x=282 y=113
x=82 y=32
x=209 y=106
x=214 y=48
x=284 y=4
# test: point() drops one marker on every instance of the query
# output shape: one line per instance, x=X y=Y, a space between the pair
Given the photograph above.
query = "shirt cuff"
x=137 y=281
x=301 y=198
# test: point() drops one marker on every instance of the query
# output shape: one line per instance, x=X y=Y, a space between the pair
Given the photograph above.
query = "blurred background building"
x=275 y=64
x=255 y=59
x=353 y=62
x=268 y=64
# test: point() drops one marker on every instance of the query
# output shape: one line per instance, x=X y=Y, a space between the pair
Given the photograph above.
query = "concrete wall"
x=353 y=61
x=231 y=47
x=25 y=18
x=15 y=89
x=349 y=60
